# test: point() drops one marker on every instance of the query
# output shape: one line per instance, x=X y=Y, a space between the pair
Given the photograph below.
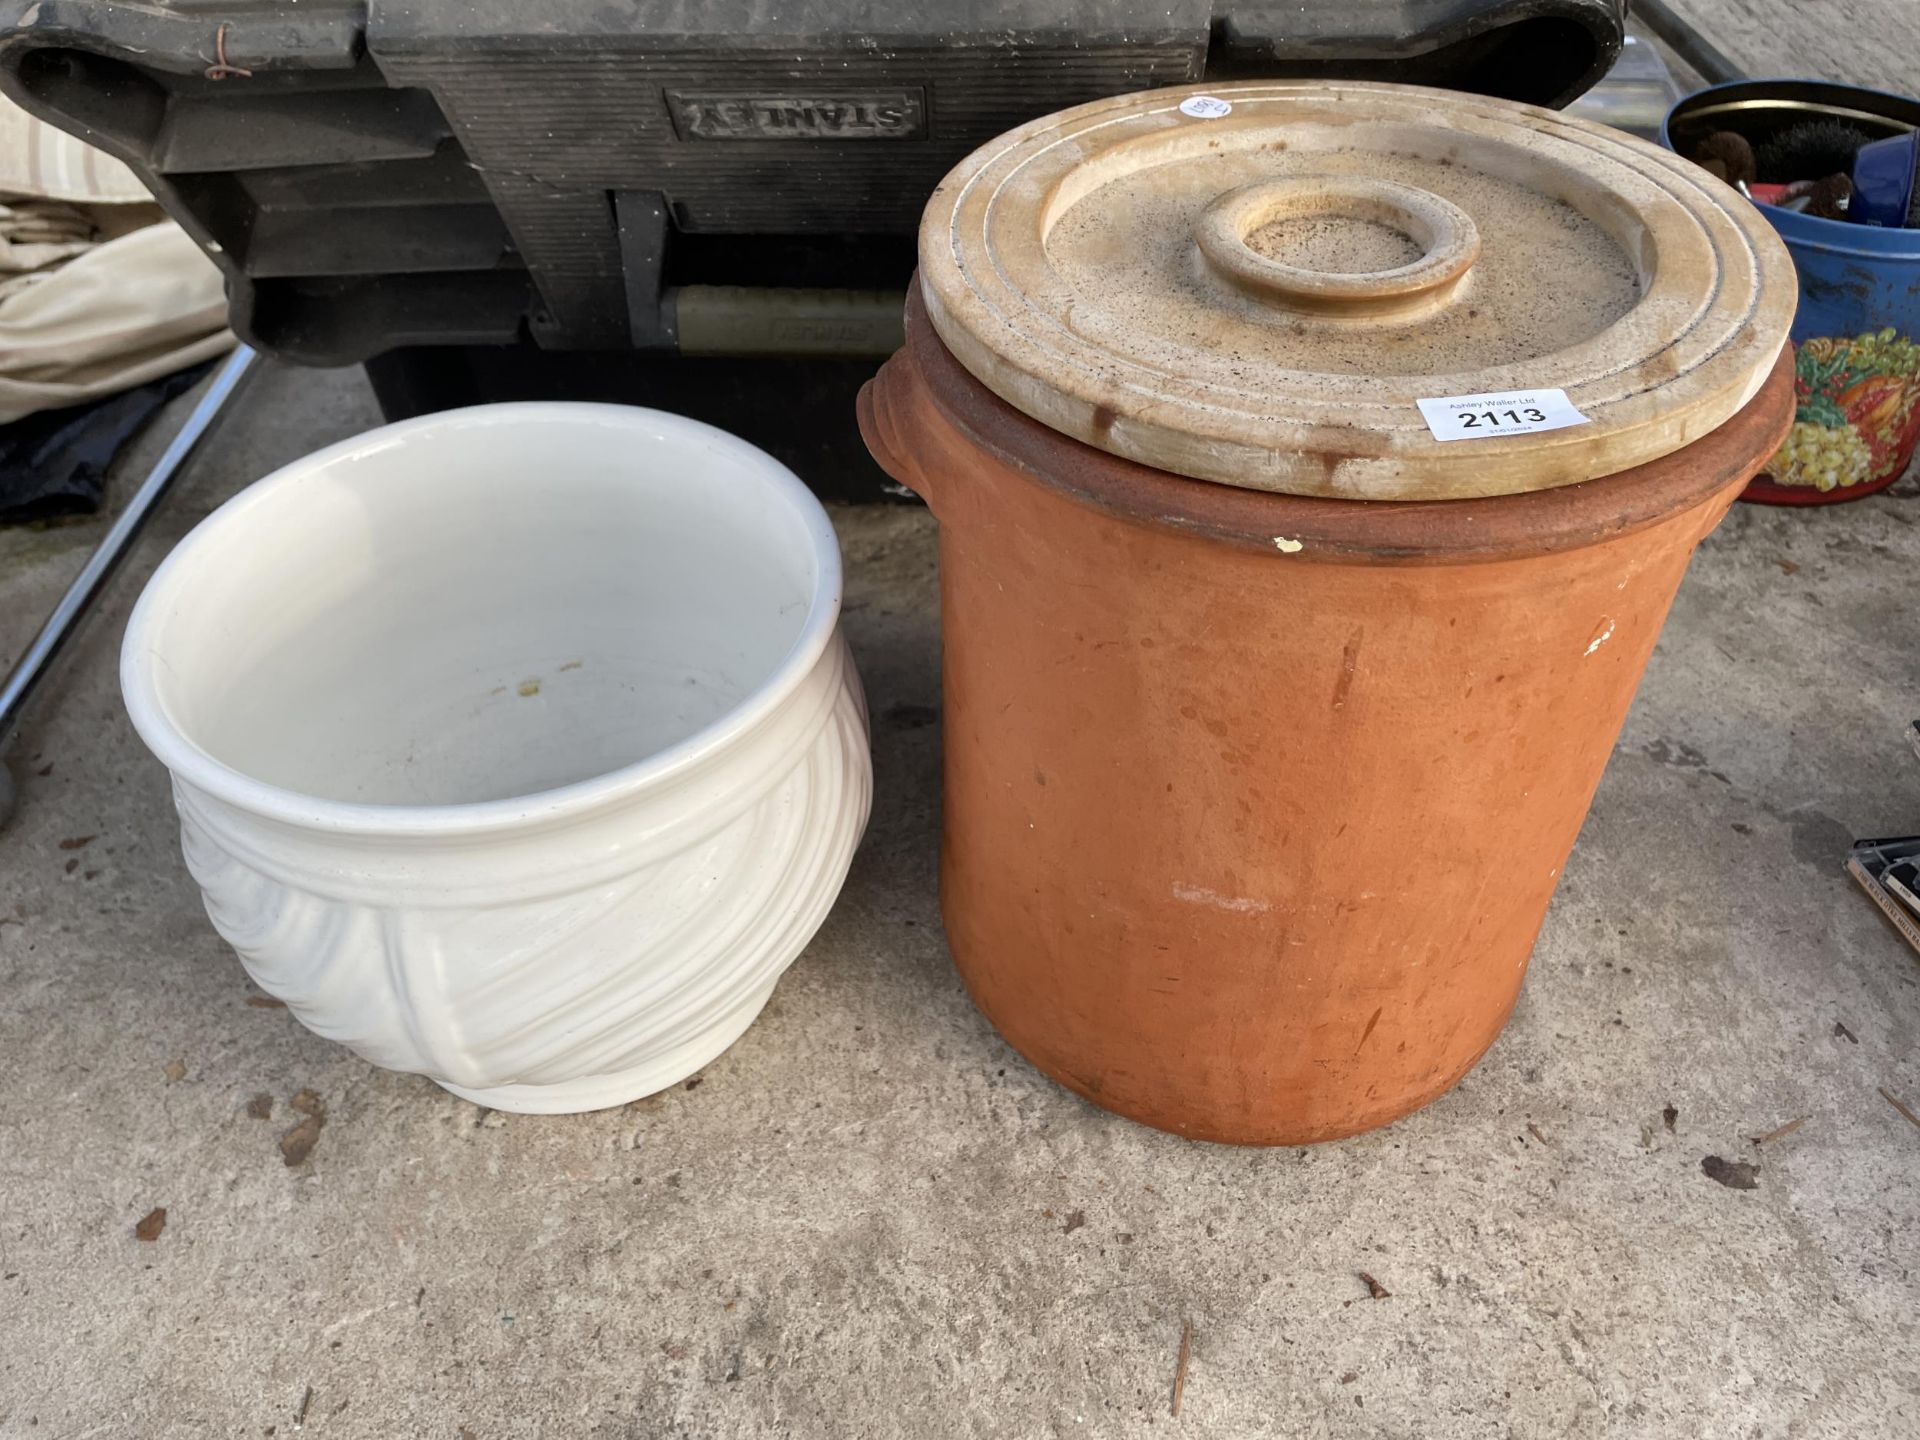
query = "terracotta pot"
x=1255 y=802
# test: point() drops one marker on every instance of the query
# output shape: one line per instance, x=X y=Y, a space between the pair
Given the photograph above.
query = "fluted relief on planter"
x=591 y=997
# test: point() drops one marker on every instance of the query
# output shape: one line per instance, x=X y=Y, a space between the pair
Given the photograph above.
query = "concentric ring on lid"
x=1260 y=297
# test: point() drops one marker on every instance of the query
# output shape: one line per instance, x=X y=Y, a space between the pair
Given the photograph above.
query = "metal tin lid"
x=1354 y=290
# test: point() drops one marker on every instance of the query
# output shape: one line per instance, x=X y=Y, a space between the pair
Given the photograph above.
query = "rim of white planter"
x=199 y=768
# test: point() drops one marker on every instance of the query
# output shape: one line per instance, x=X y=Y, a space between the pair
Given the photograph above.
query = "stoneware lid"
x=1259 y=284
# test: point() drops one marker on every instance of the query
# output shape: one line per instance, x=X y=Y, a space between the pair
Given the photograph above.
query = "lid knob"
x=1339 y=246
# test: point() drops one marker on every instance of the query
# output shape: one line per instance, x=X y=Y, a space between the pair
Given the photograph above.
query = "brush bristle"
x=1828 y=198
x=1811 y=148
x=1727 y=156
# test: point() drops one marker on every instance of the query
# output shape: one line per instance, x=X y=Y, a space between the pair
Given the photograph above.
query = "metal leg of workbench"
x=60 y=626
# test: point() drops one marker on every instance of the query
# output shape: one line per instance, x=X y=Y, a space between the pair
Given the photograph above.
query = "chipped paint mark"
x=1200 y=895
x=1601 y=639
x=529 y=688
x=1349 y=658
x=1366 y=1033
x=1288 y=547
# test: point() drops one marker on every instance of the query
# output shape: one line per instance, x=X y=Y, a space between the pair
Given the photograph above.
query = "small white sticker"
x=1205 y=107
x=1507 y=412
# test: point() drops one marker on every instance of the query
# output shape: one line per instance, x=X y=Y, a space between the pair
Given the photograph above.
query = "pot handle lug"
x=886 y=423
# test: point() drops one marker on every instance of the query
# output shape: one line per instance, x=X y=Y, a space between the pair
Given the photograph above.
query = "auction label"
x=1508 y=412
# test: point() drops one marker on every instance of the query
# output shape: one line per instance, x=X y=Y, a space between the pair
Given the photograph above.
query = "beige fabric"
x=38 y=233
x=119 y=315
x=98 y=290
x=38 y=159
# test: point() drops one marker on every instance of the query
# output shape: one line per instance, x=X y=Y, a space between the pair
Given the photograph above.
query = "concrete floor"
x=872 y=1219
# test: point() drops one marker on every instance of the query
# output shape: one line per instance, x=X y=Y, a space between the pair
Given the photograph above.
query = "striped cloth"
x=38 y=160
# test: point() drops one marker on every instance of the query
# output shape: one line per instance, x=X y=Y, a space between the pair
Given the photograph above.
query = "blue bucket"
x=1857 y=333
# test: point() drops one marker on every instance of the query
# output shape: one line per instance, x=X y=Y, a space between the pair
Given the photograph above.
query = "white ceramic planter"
x=515 y=746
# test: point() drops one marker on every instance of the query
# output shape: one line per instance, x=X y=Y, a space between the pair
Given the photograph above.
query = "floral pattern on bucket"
x=1858 y=418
